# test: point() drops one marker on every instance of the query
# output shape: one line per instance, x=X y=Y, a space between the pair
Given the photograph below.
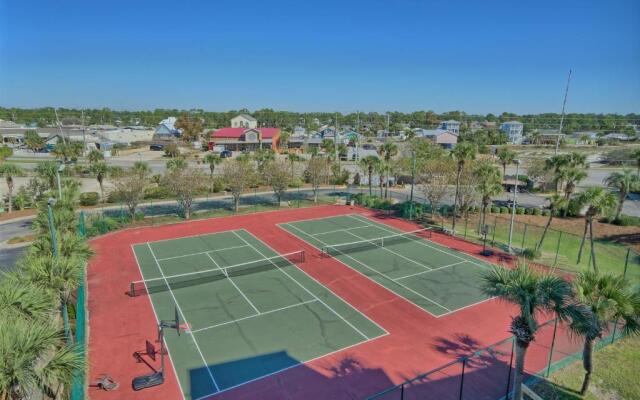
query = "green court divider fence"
x=488 y=372
x=79 y=379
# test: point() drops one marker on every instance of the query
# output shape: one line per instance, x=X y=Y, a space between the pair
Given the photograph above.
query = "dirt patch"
x=17 y=214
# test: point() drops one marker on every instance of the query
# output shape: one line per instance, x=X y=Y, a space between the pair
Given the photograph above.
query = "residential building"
x=514 y=131
x=166 y=130
x=442 y=137
x=245 y=139
x=244 y=121
x=451 y=126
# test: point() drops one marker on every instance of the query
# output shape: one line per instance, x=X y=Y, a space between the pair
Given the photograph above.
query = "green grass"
x=615 y=375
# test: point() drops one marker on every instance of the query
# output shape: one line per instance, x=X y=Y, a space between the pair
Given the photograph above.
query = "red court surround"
x=119 y=324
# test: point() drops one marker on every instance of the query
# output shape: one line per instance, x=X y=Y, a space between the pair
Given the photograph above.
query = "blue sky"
x=405 y=55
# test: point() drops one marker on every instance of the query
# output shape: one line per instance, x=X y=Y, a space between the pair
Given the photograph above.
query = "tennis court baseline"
x=433 y=277
x=251 y=312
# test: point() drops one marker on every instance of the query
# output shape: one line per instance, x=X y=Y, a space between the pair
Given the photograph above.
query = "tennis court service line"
x=254 y=316
x=202 y=252
x=393 y=252
x=195 y=342
x=234 y=284
x=341 y=230
x=422 y=243
x=302 y=286
x=378 y=273
x=426 y=272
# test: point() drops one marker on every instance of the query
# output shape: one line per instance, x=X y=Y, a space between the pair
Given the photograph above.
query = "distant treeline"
x=287 y=119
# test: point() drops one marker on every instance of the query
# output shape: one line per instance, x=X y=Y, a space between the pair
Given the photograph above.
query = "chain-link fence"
x=488 y=373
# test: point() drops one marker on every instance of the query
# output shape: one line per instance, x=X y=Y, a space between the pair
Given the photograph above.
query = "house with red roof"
x=245 y=139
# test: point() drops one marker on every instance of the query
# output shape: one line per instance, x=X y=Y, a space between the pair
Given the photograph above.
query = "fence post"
x=493 y=238
x=553 y=342
x=524 y=235
x=626 y=263
x=555 y=261
x=402 y=392
x=464 y=364
x=466 y=221
x=506 y=395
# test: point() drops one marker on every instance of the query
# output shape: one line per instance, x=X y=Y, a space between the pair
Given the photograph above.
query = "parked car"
x=156 y=147
x=226 y=154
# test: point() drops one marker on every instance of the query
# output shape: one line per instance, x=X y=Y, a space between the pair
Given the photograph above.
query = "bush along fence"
x=559 y=249
x=79 y=379
x=488 y=372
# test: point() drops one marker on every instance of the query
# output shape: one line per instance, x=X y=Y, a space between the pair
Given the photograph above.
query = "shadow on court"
x=345 y=376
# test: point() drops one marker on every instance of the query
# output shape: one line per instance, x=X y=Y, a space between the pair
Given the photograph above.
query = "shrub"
x=625 y=220
x=531 y=254
x=495 y=209
x=114 y=197
x=101 y=225
x=218 y=185
x=406 y=210
x=156 y=192
x=528 y=211
x=520 y=211
x=536 y=211
x=573 y=209
x=139 y=216
x=504 y=210
x=89 y=198
x=546 y=212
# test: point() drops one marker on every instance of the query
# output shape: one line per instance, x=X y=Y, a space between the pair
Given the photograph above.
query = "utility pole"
x=388 y=124
x=564 y=103
x=335 y=139
x=84 y=135
x=413 y=180
x=55 y=110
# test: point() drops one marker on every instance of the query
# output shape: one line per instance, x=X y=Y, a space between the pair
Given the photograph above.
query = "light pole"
x=513 y=208
x=413 y=180
x=60 y=169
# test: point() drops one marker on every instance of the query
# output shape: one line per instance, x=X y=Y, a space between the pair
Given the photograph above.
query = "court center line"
x=195 y=342
x=389 y=250
x=426 y=272
x=382 y=275
x=234 y=284
x=253 y=316
x=422 y=242
x=341 y=230
x=203 y=252
x=303 y=287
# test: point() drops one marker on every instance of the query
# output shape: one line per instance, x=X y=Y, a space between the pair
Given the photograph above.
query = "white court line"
x=391 y=251
x=426 y=272
x=341 y=230
x=185 y=320
x=381 y=274
x=234 y=284
x=253 y=316
x=303 y=287
x=158 y=322
x=423 y=243
x=203 y=252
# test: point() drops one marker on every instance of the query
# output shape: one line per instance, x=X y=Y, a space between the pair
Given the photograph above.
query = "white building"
x=514 y=130
x=451 y=126
x=244 y=121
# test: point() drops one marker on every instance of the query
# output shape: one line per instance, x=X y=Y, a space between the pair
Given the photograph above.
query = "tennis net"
x=368 y=244
x=165 y=283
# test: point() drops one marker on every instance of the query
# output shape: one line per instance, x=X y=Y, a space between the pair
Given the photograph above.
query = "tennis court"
x=250 y=312
x=437 y=279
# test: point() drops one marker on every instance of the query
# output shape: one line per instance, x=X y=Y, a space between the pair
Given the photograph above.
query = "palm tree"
x=387 y=151
x=556 y=202
x=95 y=156
x=506 y=157
x=22 y=300
x=610 y=299
x=141 y=168
x=212 y=160
x=489 y=185
x=572 y=176
x=9 y=171
x=47 y=171
x=177 y=163
x=100 y=169
x=462 y=153
x=598 y=201
x=369 y=164
x=624 y=182
x=381 y=169
x=532 y=293
x=34 y=361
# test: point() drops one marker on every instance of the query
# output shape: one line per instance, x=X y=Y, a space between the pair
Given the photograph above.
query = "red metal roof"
x=236 y=133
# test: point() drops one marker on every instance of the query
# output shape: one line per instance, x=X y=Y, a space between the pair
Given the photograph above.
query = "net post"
x=132 y=290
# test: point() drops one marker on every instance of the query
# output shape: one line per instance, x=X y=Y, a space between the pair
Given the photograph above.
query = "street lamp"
x=513 y=208
x=60 y=169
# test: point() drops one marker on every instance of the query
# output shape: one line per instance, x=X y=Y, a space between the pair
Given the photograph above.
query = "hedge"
x=89 y=198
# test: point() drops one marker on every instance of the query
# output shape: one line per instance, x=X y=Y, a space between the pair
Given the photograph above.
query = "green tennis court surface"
x=435 y=278
x=251 y=311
